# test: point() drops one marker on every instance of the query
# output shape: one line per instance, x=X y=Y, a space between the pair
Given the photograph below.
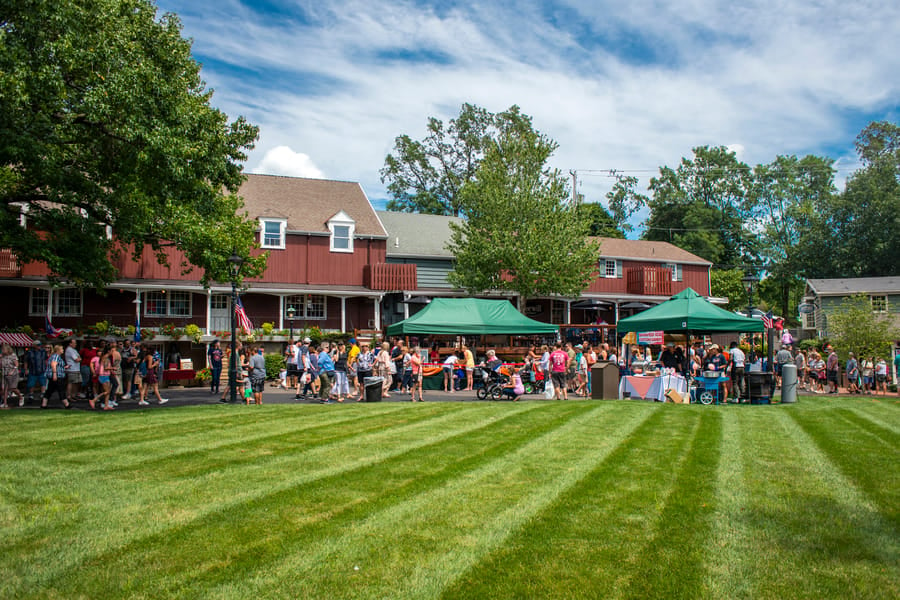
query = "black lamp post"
x=235 y=262
x=749 y=281
x=291 y=311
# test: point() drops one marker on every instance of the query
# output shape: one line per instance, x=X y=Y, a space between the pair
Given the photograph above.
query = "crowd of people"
x=101 y=374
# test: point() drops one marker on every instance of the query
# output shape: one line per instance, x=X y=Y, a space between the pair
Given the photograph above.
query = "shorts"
x=103 y=379
x=36 y=380
x=833 y=376
x=73 y=376
x=559 y=379
x=292 y=371
x=257 y=385
x=880 y=378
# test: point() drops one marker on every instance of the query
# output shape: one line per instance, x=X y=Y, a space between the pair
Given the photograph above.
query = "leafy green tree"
x=105 y=123
x=520 y=234
x=624 y=200
x=702 y=205
x=857 y=233
x=600 y=222
x=426 y=176
x=788 y=194
x=726 y=283
x=855 y=328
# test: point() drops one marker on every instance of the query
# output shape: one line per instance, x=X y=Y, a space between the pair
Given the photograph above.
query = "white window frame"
x=882 y=301
x=675 y=269
x=220 y=302
x=306 y=306
x=616 y=268
x=168 y=295
x=341 y=219
x=57 y=295
x=282 y=234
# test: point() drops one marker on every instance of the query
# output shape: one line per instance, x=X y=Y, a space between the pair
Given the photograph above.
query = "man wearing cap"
x=35 y=369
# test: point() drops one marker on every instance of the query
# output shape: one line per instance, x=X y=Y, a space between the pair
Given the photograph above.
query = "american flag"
x=53 y=332
x=243 y=321
x=768 y=320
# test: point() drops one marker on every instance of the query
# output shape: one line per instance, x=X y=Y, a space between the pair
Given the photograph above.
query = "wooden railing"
x=650 y=281
x=9 y=264
x=391 y=277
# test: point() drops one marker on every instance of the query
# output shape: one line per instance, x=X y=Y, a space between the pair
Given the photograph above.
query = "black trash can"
x=373 y=387
x=760 y=387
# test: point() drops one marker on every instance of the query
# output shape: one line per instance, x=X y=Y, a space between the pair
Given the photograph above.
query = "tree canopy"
x=854 y=327
x=520 y=233
x=701 y=207
x=105 y=124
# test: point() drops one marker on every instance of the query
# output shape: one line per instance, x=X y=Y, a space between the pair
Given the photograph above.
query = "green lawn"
x=454 y=500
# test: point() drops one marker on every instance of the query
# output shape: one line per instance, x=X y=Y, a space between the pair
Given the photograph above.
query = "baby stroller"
x=491 y=383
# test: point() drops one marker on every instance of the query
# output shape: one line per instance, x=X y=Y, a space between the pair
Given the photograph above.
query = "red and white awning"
x=16 y=339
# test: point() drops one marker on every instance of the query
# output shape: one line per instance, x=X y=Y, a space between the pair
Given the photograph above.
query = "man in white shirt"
x=737 y=360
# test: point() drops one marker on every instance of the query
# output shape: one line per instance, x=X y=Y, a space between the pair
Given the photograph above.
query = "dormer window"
x=272 y=233
x=342 y=228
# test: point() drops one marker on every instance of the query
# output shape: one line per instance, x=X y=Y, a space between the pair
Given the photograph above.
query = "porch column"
x=406 y=306
x=208 y=311
x=343 y=313
x=50 y=304
x=377 y=300
x=280 y=312
x=568 y=311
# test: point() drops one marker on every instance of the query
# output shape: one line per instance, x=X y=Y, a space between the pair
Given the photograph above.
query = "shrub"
x=274 y=364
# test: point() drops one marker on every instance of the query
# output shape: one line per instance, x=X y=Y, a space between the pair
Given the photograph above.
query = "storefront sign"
x=651 y=337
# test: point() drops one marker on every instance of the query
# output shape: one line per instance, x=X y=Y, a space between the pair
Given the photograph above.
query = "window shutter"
x=619 y=269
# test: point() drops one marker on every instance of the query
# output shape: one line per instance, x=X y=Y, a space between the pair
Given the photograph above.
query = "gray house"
x=826 y=296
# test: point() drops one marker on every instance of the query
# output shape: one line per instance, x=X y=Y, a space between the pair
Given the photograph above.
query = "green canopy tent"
x=470 y=316
x=688 y=312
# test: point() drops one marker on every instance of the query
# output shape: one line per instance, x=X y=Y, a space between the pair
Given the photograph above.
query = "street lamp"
x=291 y=311
x=749 y=281
x=235 y=262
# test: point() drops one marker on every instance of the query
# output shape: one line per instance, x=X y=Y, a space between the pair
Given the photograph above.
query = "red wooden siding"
x=693 y=276
x=391 y=277
x=308 y=260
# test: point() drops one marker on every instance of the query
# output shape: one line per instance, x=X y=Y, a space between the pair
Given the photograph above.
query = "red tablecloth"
x=177 y=374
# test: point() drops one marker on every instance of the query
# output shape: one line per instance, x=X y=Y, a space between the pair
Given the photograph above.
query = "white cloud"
x=281 y=160
x=764 y=79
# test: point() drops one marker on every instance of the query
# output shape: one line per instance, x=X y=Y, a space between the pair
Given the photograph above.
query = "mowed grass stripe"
x=128 y=471
x=418 y=547
x=222 y=548
x=111 y=514
x=731 y=552
x=591 y=542
x=879 y=419
x=816 y=533
x=867 y=460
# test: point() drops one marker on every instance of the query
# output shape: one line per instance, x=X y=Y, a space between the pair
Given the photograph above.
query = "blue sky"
x=619 y=85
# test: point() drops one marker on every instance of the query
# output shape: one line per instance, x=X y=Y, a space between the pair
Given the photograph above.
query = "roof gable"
x=308 y=204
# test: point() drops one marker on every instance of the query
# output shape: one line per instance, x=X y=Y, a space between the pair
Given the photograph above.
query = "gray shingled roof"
x=308 y=204
x=856 y=285
x=413 y=234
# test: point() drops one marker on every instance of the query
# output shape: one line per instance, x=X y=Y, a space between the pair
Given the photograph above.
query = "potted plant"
x=193 y=331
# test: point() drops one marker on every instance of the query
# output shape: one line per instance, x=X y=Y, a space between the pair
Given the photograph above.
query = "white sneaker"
x=126 y=397
x=163 y=400
x=143 y=403
x=113 y=403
